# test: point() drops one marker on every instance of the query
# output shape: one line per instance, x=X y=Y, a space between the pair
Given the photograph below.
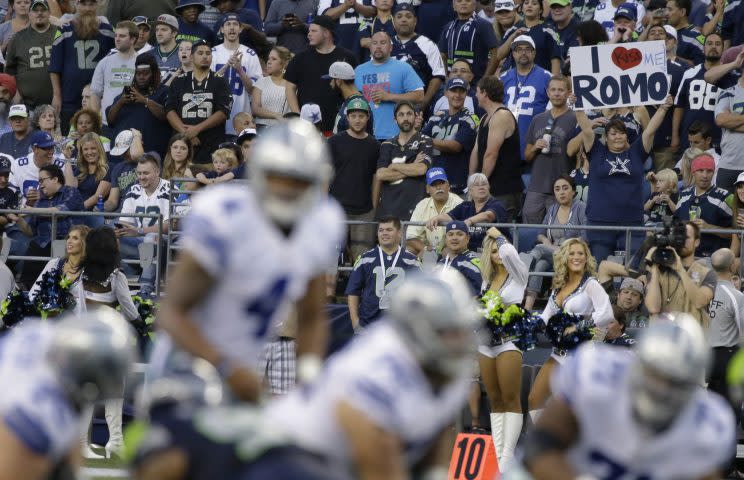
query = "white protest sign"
x=619 y=75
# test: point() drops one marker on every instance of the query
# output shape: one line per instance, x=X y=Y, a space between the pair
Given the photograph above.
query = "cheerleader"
x=575 y=291
x=501 y=361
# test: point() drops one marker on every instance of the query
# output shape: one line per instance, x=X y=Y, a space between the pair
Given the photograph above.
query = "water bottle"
x=99 y=203
x=547 y=136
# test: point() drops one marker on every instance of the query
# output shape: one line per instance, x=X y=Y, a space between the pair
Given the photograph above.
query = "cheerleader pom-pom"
x=14 y=309
x=147 y=310
x=54 y=294
x=567 y=331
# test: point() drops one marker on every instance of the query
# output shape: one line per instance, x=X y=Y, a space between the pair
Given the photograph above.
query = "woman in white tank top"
x=269 y=98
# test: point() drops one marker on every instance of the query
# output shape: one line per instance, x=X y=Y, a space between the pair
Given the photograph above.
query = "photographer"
x=677 y=282
x=143 y=103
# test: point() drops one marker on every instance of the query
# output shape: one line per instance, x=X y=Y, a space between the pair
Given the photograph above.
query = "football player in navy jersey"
x=248 y=255
x=377 y=273
x=457 y=255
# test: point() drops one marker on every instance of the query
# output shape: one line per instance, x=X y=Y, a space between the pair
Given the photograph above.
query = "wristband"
x=308 y=367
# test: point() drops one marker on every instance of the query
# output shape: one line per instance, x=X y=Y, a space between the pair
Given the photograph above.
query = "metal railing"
x=55 y=215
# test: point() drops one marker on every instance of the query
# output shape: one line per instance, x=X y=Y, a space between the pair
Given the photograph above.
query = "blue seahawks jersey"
x=526 y=96
x=370 y=281
x=611 y=444
x=75 y=60
x=471 y=40
x=698 y=100
x=423 y=55
x=467 y=263
x=690 y=44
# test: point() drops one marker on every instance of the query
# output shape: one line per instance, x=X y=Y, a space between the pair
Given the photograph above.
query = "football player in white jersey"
x=615 y=415
x=381 y=407
x=49 y=374
x=249 y=253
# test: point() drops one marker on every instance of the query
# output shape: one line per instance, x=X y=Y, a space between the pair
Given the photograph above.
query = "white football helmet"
x=92 y=354
x=672 y=357
x=295 y=150
x=437 y=316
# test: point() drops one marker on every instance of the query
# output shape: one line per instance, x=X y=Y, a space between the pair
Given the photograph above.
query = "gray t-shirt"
x=726 y=316
x=732 y=142
x=547 y=167
x=111 y=75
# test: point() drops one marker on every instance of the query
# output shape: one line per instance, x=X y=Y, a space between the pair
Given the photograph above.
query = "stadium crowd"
x=449 y=114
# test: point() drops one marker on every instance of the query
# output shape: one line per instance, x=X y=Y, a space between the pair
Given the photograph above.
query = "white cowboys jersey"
x=241 y=99
x=259 y=271
x=378 y=375
x=24 y=174
x=611 y=444
x=137 y=201
x=33 y=405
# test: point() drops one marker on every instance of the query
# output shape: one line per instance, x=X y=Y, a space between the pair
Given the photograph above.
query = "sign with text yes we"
x=619 y=75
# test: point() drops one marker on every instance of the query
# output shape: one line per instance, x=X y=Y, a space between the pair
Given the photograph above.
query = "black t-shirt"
x=195 y=102
x=400 y=197
x=305 y=70
x=354 y=164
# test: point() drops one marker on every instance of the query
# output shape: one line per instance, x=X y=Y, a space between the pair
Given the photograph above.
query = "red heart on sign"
x=625 y=59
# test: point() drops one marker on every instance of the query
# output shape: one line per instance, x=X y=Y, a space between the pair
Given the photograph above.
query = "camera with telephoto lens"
x=672 y=237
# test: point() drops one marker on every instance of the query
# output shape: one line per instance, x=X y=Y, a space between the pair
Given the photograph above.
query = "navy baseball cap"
x=41 y=139
x=229 y=17
x=436 y=174
x=626 y=10
x=453 y=83
x=458 y=225
x=4 y=164
x=404 y=7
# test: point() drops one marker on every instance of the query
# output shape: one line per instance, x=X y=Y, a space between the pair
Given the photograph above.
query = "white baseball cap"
x=311 y=113
x=18 y=111
x=523 y=39
x=671 y=31
x=122 y=143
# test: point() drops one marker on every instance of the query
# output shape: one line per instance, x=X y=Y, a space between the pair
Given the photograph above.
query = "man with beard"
x=453 y=135
x=116 y=71
x=76 y=51
x=354 y=153
x=239 y=66
x=386 y=83
x=143 y=104
x=525 y=87
x=166 y=51
x=7 y=92
x=402 y=166
x=418 y=51
x=199 y=103
x=305 y=71
x=696 y=99
x=28 y=55
x=341 y=76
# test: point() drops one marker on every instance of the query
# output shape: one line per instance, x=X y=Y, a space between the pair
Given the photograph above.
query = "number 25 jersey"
x=259 y=272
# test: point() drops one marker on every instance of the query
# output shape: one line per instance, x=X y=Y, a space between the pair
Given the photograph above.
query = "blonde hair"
x=668 y=175
x=83 y=229
x=560 y=262
x=101 y=164
x=686 y=164
x=486 y=265
x=227 y=155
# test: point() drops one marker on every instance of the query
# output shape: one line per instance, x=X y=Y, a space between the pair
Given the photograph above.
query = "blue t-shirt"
x=698 y=100
x=194 y=31
x=369 y=280
x=459 y=127
x=616 y=184
x=75 y=60
x=392 y=76
x=135 y=115
x=89 y=185
x=470 y=40
x=527 y=95
x=547 y=45
x=465 y=210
